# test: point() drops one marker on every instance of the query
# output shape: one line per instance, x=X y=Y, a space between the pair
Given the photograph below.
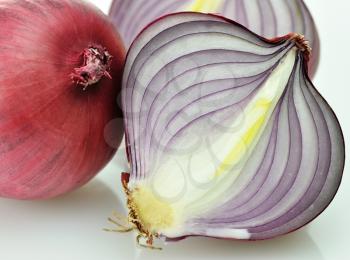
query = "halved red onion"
x=268 y=18
x=226 y=135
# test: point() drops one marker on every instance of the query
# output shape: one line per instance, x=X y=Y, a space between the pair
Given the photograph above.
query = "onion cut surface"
x=226 y=135
x=61 y=71
x=268 y=18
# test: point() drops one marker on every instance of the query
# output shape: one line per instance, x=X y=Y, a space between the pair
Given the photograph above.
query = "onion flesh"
x=226 y=135
x=56 y=96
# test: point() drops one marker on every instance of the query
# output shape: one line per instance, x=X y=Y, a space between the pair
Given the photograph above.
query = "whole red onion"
x=61 y=66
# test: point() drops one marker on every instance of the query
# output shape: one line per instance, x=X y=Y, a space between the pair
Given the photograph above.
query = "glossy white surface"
x=70 y=227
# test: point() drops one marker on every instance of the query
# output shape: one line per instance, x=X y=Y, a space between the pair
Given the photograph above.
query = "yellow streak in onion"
x=205 y=6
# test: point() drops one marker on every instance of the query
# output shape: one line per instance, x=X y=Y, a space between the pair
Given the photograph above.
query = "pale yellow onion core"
x=152 y=212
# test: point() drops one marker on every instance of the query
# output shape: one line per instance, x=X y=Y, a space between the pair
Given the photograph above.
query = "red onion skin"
x=51 y=130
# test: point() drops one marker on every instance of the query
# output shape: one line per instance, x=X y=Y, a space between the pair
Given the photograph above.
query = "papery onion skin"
x=290 y=175
x=268 y=18
x=53 y=108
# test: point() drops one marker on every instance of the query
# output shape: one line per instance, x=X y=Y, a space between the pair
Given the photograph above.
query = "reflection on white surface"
x=70 y=227
x=294 y=246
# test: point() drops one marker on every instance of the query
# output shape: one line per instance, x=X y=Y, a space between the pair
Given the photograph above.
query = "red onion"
x=269 y=18
x=226 y=135
x=61 y=68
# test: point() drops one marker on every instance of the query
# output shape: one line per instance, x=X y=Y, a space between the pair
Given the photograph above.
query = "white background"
x=70 y=227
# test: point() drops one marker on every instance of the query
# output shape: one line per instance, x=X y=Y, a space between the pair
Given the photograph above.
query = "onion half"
x=226 y=135
x=268 y=18
x=56 y=95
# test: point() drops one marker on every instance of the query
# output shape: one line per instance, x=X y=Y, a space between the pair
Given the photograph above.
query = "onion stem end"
x=96 y=65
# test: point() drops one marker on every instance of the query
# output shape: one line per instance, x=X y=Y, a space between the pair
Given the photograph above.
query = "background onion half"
x=268 y=18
